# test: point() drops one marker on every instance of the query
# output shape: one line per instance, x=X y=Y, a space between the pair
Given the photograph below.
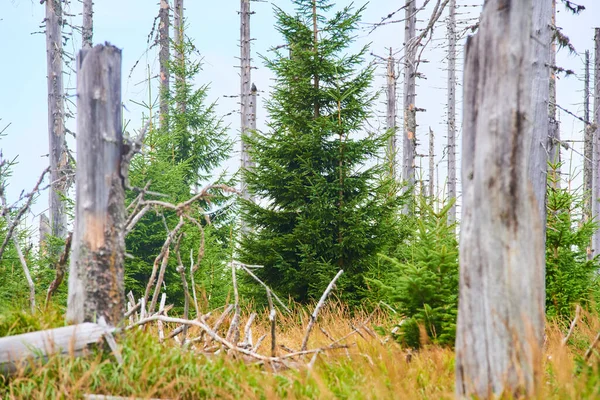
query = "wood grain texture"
x=67 y=340
x=505 y=125
x=96 y=271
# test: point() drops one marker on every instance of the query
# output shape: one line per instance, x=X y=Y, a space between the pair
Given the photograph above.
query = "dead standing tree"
x=87 y=30
x=596 y=145
x=587 y=140
x=56 y=115
x=500 y=324
x=247 y=95
x=553 y=126
x=163 y=60
x=409 y=141
x=96 y=272
x=452 y=110
x=178 y=28
x=391 y=114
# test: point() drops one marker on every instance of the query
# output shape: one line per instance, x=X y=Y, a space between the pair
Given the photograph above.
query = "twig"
x=60 y=269
x=234 y=327
x=245 y=268
x=13 y=225
x=313 y=317
x=259 y=342
x=166 y=245
x=248 y=331
x=192 y=270
x=589 y=351
x=272 y=318
x=572 y=327
x=186 y=292
x=161 y=332
x=17 y=245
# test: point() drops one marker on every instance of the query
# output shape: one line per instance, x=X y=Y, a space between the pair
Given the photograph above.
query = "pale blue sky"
x=214 y=26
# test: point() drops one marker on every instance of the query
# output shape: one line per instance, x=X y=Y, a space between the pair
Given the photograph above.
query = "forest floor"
x=371 y=367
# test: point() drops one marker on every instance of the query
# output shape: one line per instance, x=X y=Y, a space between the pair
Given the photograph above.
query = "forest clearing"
x=325 y=239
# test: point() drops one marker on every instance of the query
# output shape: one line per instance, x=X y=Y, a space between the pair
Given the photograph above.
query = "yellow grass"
x=370 y=368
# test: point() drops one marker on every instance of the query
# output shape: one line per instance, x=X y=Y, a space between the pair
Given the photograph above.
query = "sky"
x=214 y=28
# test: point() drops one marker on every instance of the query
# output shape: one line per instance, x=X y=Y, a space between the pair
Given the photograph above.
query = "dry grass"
x=370 y=368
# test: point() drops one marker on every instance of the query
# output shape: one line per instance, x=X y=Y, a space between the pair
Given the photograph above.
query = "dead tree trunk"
x=245 y=88
x=163 y=60
x=596 y=143
x=554 y=128
x=452 y=111
x=87 y=30
x=56 y=113
x=409 y=142
x=391 y=114
x=178 y=27
x=501 y=306
x=587 y=140
x=431 y=164
x=96 y=285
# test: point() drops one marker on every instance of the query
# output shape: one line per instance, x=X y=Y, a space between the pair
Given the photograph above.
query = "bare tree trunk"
x=452 y=111
x=179 y=28
x=391 y=114
x=501 y=305
x=87 y=31
x=163 y=60
x=245 y=88
x=431 y=165
x=56 y=115
x=554 y=127
x=410 y=112
x=96 y=285
x=588 y=143
x=596 y=144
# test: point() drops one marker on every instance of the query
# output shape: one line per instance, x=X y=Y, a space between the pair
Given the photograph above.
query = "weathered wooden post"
x=500 y=326
x=96 y=272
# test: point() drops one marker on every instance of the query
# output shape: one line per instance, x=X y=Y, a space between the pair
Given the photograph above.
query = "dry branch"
x=60 y=268
x=313 y=317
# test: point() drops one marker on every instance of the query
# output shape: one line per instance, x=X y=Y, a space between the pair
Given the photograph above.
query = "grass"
x=368 y=369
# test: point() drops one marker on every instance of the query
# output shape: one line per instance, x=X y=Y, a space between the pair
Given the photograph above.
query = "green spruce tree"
x=325 y=200
x=177 y=157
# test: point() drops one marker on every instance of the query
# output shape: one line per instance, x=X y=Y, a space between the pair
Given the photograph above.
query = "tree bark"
x=588 y=139
x=410 y=113
x=554 y=127
x=596 y=145
x=56 y=114
x=431 y=165
x=246 y=93
x=452 y=110
x=500 y=324
x=87 y=30
x=96 y=285
x=178 y=27
x=391 y=114
x=163 y=60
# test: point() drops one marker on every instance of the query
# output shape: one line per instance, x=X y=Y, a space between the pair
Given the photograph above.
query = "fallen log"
x=14 y=350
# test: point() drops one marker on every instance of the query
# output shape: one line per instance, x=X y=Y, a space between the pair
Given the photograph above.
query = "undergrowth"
x=370 y=368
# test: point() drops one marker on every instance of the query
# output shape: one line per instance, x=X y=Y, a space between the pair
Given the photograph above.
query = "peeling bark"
x=96 y=285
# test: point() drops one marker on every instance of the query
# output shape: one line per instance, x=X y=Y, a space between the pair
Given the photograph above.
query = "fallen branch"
x=572 y=327
x=313 y=317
